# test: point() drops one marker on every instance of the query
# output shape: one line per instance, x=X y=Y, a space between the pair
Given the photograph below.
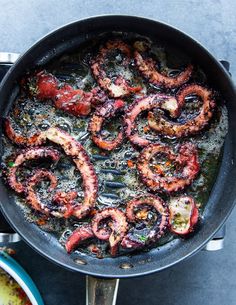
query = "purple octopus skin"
x=106 y=111
x=148 y=69
x=26 y=155
x=186 y=159
x=158 y=230
x=191 y=126
x=117 y=227
x=82 y=161
x=163 y=101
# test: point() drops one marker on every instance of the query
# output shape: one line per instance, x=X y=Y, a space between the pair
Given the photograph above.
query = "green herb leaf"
x=142 y=238
x=11 y=164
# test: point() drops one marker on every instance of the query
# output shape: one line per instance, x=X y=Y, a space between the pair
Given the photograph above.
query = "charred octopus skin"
x=116 y=229
x=32 y=197
x=157 y=229
x=119 y=87
x=172 y=129
x=148 y=68
x=78 y=236
x=163 y=101
x=27 y=155
x=106 y=111
x=186 y=163
x=36 y=139
x=183 y=215
x=75 y=150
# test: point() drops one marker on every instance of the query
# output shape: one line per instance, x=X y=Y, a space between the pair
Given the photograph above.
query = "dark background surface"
x=208 y=277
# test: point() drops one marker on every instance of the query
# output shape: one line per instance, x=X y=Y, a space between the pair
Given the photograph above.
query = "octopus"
x=78 y=236
x=71 y=148
x=107 y=111
x=147 y=67
x=79 y=156
x=146 y=234
x=36 y=139
x=184 y=215
x=163 y=101
x=185 y=162
x=191 y=126
x=115 y=229
x=116 y=86
x=32 y=198
x=28 y=155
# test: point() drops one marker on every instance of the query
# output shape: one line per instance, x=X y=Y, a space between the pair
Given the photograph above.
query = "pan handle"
x=6 y=233
x=101 y=291
x=6 y=61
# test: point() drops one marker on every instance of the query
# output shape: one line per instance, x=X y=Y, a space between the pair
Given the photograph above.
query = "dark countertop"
x=208 y=277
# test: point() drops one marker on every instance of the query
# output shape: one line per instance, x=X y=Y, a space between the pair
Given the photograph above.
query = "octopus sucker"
x=185 y=161
x=118 y=87
x=148 y=69
x=163 y=101
x=115 y=230
x=36 y=139
x=157 y=230
x=192 y=126
x=78 y=236
x=79 y=156
x=27 y=155
x=106 y=111
x=32 y=198
x=184 y=214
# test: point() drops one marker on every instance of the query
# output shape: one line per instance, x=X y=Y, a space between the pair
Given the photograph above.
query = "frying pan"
x=222 y=197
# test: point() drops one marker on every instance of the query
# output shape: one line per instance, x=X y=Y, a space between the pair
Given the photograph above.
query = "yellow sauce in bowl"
x=10 y=291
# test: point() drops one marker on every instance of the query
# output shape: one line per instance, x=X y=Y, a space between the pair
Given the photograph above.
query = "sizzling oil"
x=118 y=179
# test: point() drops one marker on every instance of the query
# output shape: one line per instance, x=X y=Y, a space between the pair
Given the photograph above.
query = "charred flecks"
x=191 y=126
x=147 y=67
x=107 y=111
x=117 y=86
x=73 y=149
x=156 y=179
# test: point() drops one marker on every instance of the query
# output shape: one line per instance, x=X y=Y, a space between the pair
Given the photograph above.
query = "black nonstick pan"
x=221 y=200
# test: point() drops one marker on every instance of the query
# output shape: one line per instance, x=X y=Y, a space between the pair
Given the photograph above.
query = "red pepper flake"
x=41 y=221
x=130 y=163
x=93 y=212
x=146 y=128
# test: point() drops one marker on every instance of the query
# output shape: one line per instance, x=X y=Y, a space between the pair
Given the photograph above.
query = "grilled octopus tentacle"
x=183 y=215
x=32 y=198
x=117 y=227
x=187 y=160
x=148 y=69
x=120 y=86
x=106 y=111
x=75 y=150
x=192 y=126
x=36 y=139
x=165 y=102
x=157 y=230
x=78 y=236
x=65 y=204
x=26 y=155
